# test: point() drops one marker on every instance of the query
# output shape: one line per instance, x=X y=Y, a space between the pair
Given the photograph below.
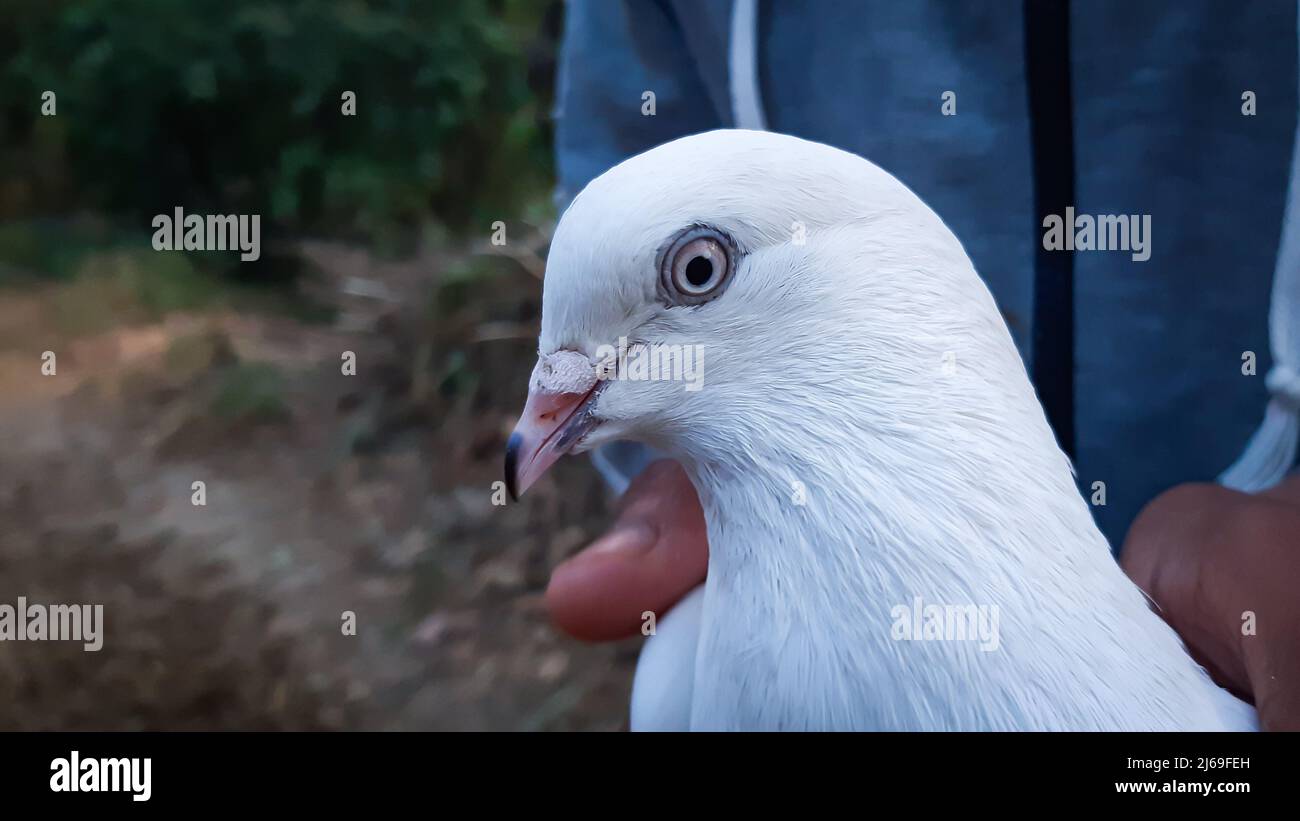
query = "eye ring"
x=696 y=266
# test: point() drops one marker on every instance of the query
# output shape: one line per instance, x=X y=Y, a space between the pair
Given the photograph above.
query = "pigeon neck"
x=933 y=506
x=879 y=531
x=816 y=562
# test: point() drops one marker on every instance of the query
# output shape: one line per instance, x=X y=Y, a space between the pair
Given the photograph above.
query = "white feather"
x=663 y=689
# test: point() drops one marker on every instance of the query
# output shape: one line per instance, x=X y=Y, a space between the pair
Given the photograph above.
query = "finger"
x=1266 y=609
x=654 y=554
x=1174 y=552
x=1288 y=490
x=1221 y=567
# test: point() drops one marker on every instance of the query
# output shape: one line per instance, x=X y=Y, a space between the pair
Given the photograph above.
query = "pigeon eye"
x=695 y=267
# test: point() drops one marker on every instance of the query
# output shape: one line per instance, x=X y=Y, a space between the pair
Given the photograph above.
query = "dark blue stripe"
x=1047 y=64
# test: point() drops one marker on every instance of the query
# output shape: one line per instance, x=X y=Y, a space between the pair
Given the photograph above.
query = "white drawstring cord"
x=746 y=97
x=1271 y=452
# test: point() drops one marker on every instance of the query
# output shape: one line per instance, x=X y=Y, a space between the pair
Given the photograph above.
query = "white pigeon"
x=867 y=448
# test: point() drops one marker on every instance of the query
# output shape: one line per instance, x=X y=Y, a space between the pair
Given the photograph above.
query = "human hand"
x=1218 y=562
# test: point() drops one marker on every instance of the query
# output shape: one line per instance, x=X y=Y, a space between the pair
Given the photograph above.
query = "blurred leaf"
x=253 y=391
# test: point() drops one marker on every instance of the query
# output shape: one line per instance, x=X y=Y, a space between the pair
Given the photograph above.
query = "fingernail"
x=631 y=537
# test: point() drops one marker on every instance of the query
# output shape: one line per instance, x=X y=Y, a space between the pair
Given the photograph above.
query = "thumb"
x=1221 y=565
x=654 y=554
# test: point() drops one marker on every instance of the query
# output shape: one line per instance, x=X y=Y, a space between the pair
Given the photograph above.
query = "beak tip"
x=513 y=444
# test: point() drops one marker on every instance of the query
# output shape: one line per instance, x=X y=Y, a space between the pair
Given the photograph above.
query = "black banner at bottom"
x=90 y=771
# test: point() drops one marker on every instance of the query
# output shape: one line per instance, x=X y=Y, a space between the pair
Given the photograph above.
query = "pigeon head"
x=739 y=295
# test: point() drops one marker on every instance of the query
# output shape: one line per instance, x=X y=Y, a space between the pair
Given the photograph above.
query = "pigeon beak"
x=551 y=424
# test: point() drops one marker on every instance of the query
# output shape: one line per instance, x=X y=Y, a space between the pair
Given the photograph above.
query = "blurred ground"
x=325 y=493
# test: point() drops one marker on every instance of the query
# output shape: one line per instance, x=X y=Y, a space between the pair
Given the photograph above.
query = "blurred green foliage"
x=118 y=285
x=251 y=391
x=222 y=106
